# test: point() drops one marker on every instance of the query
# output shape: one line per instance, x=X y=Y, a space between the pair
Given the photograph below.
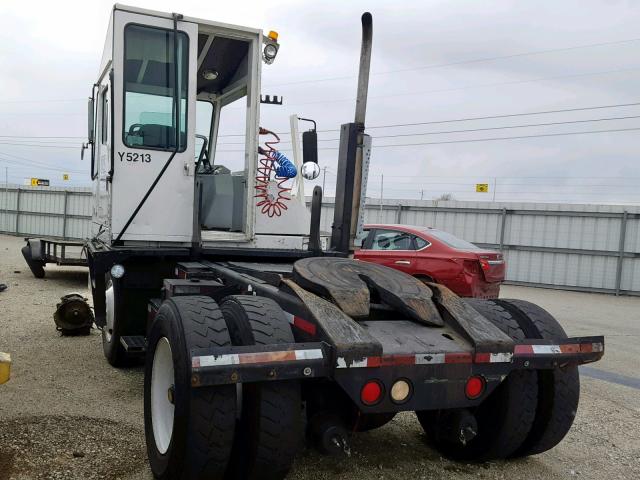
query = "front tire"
x=115 y=326
x=189 y=430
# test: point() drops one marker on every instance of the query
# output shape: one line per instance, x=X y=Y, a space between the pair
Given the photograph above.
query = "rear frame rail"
x=259 y=363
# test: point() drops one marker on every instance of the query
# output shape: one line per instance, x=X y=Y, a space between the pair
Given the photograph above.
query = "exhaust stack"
x=353 y=159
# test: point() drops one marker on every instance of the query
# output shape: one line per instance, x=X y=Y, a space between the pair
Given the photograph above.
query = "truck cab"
x=168 y=86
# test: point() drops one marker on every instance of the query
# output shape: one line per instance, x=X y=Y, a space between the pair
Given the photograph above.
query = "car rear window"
x=453 y=241
x=421 y=243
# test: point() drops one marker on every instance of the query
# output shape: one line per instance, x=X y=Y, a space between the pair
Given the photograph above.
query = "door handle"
x=402 y=262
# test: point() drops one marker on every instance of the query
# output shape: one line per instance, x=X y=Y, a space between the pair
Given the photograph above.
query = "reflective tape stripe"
x=567 y=348
x=396 y=360
x=466 y=357
x=301 y=324
x=591 y=347
x=257 y=357
x=304 y=325
x=214 y=360
x=502 y=357
x=457 y=358
x=429 y=358
x=314 y=354
x=342 y=363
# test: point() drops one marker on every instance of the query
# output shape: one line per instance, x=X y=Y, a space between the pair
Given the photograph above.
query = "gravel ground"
x=66 y=414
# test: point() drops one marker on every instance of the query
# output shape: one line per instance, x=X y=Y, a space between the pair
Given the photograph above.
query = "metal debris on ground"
x=73 y=315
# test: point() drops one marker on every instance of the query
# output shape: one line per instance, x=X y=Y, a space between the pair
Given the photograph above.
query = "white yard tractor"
x=254 y=326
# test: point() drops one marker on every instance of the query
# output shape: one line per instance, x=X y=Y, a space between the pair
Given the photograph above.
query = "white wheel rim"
x=162 y=409
x=110 y=307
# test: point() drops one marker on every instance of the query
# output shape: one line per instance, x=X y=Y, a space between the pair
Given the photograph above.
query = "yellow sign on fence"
x=39 y=182
x=482 y=187
x=65 y=176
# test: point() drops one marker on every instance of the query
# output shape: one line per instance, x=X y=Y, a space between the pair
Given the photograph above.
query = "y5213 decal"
x=135 y=157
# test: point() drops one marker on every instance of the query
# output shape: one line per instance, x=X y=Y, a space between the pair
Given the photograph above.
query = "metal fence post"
x=64 y=215
x=623 y=235
x=399 y=214
x=17 y=209
x=503 y=222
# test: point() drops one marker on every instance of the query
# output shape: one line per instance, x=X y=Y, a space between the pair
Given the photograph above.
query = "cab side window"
x=104 y=102
x=390 y=240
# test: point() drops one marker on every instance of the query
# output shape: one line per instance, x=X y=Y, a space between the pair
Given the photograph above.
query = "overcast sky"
x=432 y=61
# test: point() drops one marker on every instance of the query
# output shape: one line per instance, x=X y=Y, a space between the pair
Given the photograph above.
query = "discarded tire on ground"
x=189 y=431
x=36 y=266
x=269 y=432
x=559 y=389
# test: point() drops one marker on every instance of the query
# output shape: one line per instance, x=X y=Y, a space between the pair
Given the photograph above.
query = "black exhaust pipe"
x=351 y=183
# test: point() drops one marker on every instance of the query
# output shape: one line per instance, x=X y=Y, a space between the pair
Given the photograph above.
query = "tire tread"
x=279 y=433
x=559 y=393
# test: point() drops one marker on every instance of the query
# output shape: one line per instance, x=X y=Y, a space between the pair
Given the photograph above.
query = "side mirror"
x=310 y=146
x=310 y=168
x=90 y=124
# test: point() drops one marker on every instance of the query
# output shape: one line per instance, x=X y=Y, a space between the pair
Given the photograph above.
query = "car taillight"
x=484 y=264
x=472 y=266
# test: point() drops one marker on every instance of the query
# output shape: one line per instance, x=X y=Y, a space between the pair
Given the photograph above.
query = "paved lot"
x=66 y=414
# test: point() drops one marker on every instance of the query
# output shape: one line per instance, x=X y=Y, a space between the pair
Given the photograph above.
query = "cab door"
x=391 y=248
x=154 y=136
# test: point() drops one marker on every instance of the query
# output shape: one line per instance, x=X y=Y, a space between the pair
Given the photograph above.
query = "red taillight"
x=371 y=393
x=474 y=387
x=471 y=266
x=484 y=264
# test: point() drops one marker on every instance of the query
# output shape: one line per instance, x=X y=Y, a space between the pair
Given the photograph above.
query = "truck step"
x=134 y=344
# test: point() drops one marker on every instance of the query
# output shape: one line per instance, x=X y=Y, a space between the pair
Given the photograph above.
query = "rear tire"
x=504 y=419
x=559 y=389
x=269 y=432
x=191 y=437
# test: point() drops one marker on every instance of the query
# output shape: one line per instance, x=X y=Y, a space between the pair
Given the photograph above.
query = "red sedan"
x=434 y=255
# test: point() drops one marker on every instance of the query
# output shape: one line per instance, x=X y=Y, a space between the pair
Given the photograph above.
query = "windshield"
x=452 y=240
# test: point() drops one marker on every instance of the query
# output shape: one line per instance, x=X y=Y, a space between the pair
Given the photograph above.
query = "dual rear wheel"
x=530 y=412
x=248 y=431
x=253 y=431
